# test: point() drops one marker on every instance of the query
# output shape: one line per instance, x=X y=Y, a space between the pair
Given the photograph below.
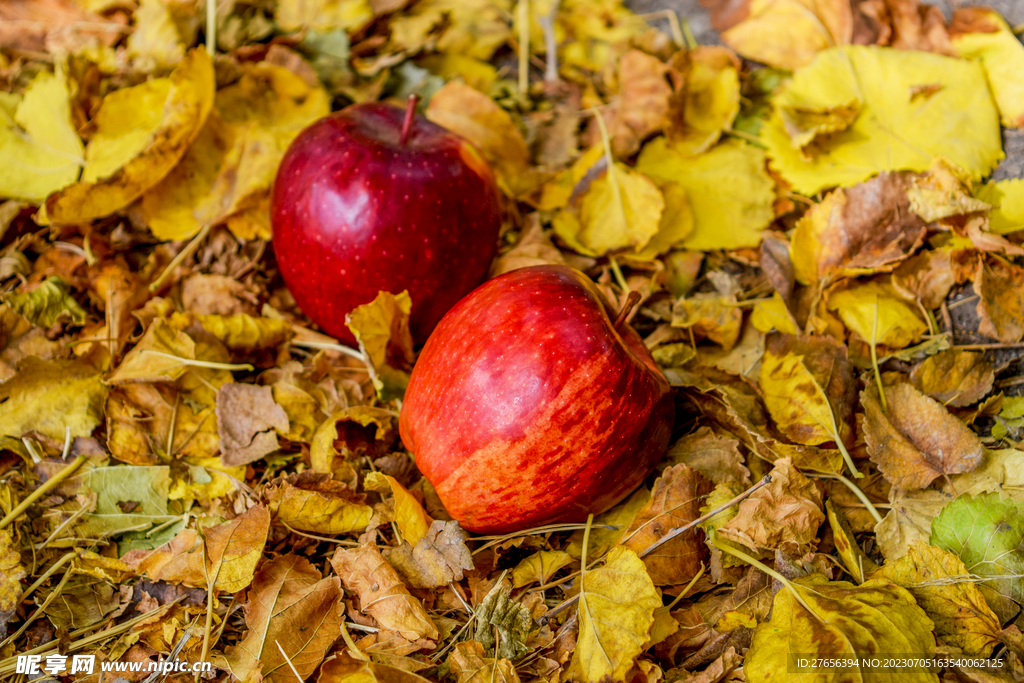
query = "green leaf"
x=987 y=533
x=48 y=303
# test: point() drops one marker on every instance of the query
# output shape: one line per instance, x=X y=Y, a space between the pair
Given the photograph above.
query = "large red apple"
x=531 y=404
x=376 y=198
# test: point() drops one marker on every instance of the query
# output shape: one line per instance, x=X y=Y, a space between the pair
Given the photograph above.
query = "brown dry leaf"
x=470 y=665
x=224 y=555
x=142 y=132
x=413 y=521
x=917 y=439
x=381 y=592
x=903 y=24
x=857 y=230
x=940 y=583
x=248 y=422
x=788 y=510
x=954 y=377
x=643 y=104
x=344 y=669
x=926 y=277
x=534 y=248
x=808 y=387
x=716 y=457
x=707 y=99
x=1000 y=307
x=754 y=28
x=437 y=559
x=311 y=501
x=675 y=501
x=54 y=26
x=473 y=115
x=293 y=615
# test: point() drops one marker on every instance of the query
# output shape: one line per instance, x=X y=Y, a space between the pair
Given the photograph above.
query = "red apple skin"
x=354 y=211
x=527 y=407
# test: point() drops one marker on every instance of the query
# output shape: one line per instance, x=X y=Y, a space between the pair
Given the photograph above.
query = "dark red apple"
x=374 y=198
x=533 y=403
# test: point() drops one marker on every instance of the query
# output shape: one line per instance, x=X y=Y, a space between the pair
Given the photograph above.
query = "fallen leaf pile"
x=829 y=279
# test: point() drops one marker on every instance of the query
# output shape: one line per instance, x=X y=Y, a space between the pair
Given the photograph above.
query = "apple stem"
x=410 y=111
x=632 y=300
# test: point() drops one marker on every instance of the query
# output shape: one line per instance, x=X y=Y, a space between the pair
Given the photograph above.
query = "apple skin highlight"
x=527 y=407
x=354 y=211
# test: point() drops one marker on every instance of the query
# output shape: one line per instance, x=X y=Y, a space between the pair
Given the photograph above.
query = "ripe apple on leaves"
x=533 y=402
x=375 y=198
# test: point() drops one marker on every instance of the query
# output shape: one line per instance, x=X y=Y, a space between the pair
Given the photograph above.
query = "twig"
x=547 y=25
x=189 y=249
x=283 y=653
x=327 y=346
x=42 y=490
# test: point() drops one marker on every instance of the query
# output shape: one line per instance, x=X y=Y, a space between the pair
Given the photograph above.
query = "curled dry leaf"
x=856 y=561
x=616 y=611
x=437 y=559
x=925 y=278
x=141 y=134
x=224 y=555
x=944 y=191
x=786 y=510
x=293 y=615
x=13 y=572
x=313 y=502
x=675 y=501
x=248 y=422
x=643 y=105
x=413 y=521
x=540 y=567
x=349 y=434
x=707 y=99
x=916 y=439
x=716 y=457
x=862 y=229
x=503 y=624
x=382 y=595
x=942 y=587
x=808 y=387
x=1000 y=287
x=382 y=329
x=877 y=616
x=713 y=316
x=954 y=377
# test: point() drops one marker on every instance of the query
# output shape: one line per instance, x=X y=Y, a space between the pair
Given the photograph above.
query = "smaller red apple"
x=533 y=402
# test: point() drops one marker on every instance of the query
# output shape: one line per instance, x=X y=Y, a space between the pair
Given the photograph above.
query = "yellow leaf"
x=944 y=191
x=558 y=191
x=730 y=192
x=877 y=616
x=382 y=329
x=381 y=592
x=207 y=477
x=711 y=316
x=940 y=583
x=709 y=102
x=589 y=31
x=893 y=130
x=227 y=173
x=311 y=501
x=13 y=572
x=412 y=520
x=40 y=149
x=616 y=611
x=47 y=304
x=733 y=620
x=675 y=225
x=244 y=333
x=475 y=28
x=980 y=33
x=773 y=314
x=857 y=563
x=323 y=15
x=808 y=388
x=719 y=496
x=475 y=117
x=50 y=396
x=141 y=133
x=139 y=365
x=477 y=74
x=468 y=663
x=899 y=322
x=620 y=209
x=155 y=43
x=1007 y=200
x=540 y=567
x=809 y=26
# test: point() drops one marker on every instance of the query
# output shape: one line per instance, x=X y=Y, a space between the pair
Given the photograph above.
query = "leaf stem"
x=192 y=362
x=874 y=360
x=620 y=279
x=189 y=249
x=41 y=490
x=855 y=491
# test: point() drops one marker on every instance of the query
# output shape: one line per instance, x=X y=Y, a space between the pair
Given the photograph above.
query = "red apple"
x=533 y=403
x=376 y=198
